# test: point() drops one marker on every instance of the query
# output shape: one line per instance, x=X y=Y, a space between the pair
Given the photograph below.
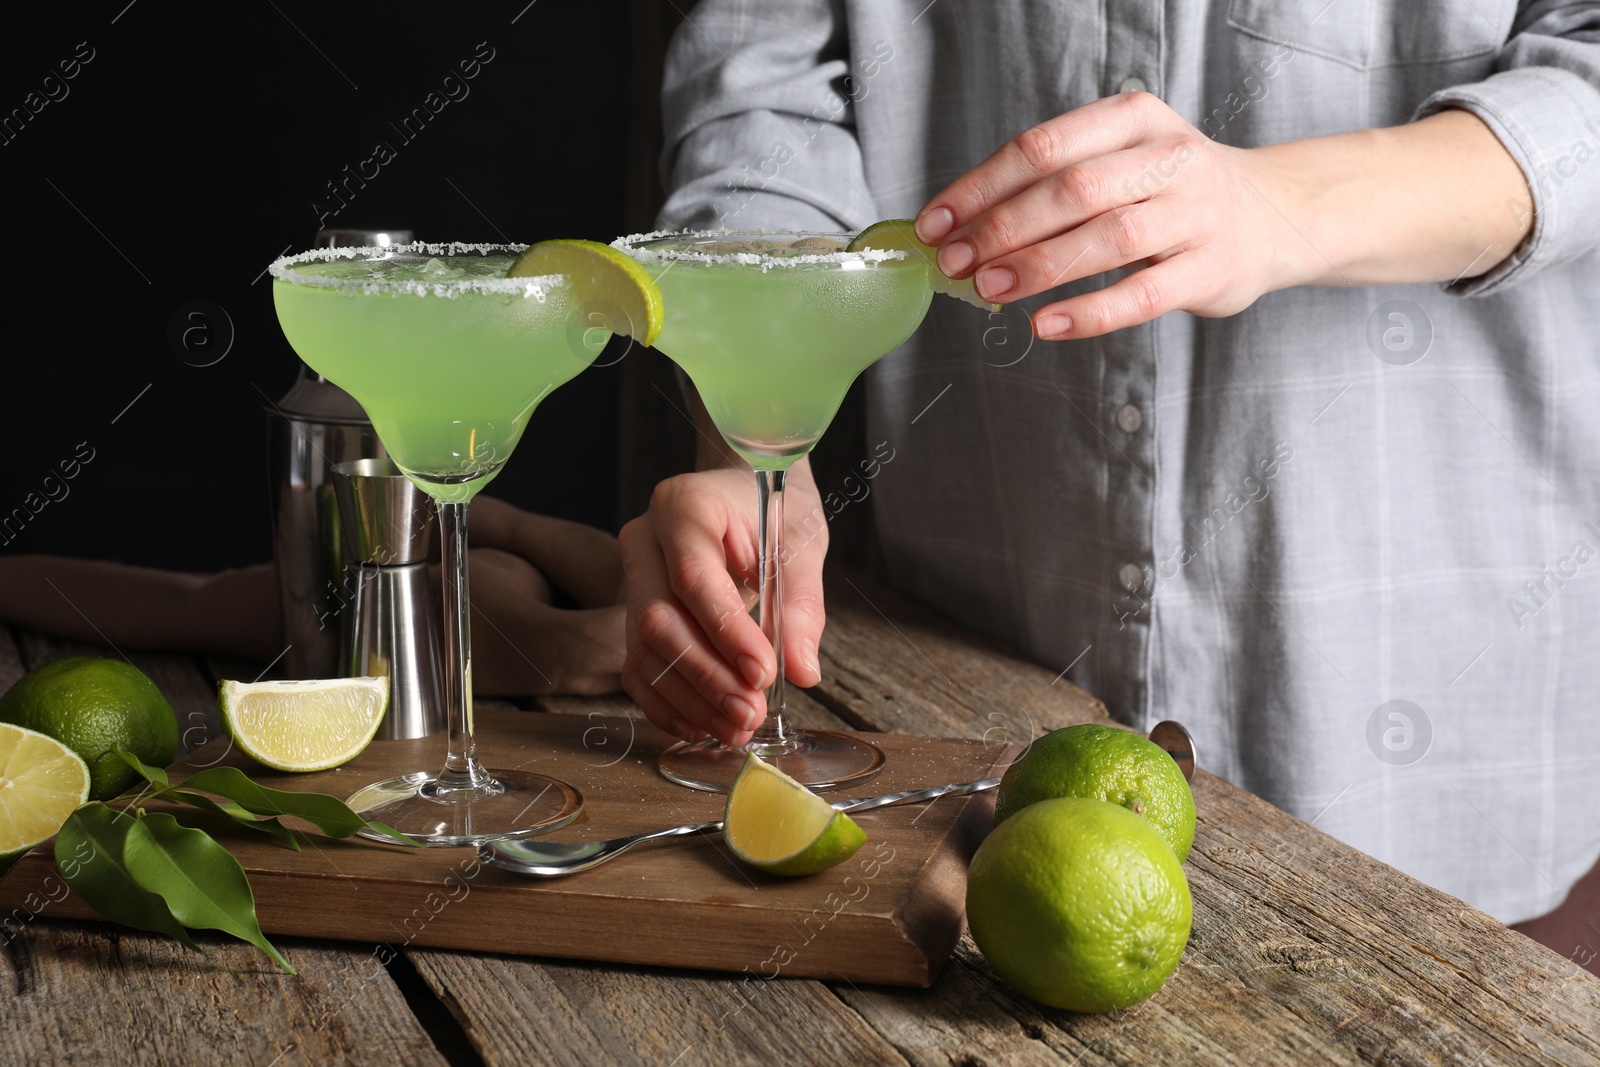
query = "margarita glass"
x=773 y=328
x=449 y=358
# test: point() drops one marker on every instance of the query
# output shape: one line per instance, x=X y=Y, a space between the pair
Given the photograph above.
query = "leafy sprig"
x=149 y=871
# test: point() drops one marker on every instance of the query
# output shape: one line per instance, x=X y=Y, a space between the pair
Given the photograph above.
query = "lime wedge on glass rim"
x=303 y=726
x=898 y=235
x=613 y=290
x=42 y=781
x=777 y=825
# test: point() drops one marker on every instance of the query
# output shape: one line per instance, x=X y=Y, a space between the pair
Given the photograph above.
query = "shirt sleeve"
x=1543 y=102
x=759 y=128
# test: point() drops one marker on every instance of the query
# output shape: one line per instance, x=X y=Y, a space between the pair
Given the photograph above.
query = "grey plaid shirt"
x=1348 y=536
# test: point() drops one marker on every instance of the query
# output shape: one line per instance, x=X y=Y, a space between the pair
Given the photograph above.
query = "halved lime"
x=778 y=825
x=94 y=706
x=609 y=283
x=42 y=781
x=892 y=235
x=303 y=726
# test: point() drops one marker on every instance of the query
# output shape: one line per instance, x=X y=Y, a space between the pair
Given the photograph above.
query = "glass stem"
x=772 y=736
x=461 y=767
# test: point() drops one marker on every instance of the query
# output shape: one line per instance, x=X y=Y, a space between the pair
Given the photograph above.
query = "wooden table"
x=1304 y=951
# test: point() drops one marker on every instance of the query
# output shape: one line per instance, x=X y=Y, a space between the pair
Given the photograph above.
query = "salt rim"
x=535 y=286
x=630 y=245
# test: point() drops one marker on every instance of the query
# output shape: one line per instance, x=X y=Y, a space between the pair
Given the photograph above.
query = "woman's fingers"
x=664 y=636
x=1109 y=125
x=1111 y=240
x=1122 y=182
x=1057 y=204
x=695 y=520
x=1178 y=282
x=672 y=703
x=696 y=657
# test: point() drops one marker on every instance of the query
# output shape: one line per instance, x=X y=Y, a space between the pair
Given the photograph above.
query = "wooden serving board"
x=889 y=915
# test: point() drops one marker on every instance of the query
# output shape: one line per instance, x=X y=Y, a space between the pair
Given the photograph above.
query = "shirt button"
x=1131 y=85
x=1132 y=576
x=1129 y=418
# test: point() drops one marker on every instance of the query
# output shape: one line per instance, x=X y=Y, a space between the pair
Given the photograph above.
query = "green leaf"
x=239 y=815
x=154 y=775
x=226 y=808
x=328 y=814
x=90 y=850
x=201 y=882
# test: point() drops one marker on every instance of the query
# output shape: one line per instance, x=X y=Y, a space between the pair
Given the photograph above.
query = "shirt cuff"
x=1549 y=120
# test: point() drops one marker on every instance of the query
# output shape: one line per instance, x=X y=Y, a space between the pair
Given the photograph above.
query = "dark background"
x=186 y=155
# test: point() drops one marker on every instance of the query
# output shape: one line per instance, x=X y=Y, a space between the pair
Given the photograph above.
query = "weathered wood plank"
x=1401 y=972
x=519 y=1011
x=95 y=993
x=893 y=664
x=1282 y=968
x=1304 y=950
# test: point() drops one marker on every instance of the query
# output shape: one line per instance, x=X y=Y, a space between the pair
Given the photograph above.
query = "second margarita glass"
x=772 y=328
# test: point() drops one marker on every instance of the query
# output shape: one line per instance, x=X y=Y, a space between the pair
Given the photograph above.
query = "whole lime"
x=1079 y=904
x=1101 y=763
x=93 y=705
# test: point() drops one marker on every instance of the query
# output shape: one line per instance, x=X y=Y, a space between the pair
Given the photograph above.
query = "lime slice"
x=42 y=781
x=893 y=235
x=609 y=283
x=303 y=726
x=778 y=825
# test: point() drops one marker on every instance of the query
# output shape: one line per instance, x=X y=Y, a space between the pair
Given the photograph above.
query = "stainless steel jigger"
x=391 y=624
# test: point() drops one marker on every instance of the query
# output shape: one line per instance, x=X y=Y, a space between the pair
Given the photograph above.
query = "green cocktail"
x=773 y=352
x=772 y=329
x=449 y=357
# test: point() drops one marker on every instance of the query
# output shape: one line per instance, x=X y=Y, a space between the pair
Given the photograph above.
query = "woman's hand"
x=1121 y=181
x=1126 y=182
x=697 y=662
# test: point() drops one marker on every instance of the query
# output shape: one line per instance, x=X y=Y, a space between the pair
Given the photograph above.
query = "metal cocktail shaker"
x=315 y=426
x=390 y=626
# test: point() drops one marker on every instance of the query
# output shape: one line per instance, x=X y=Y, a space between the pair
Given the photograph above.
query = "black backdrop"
x=186 y=150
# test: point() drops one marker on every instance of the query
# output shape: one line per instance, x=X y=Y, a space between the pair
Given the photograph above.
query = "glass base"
x=816 y=759
x=513 y=804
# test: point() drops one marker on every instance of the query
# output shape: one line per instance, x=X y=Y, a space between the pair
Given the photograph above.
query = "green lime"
x=42 y=781
x=92 y=706
x=609 y=281
x=775 y=823
x=900 y=235
x=1102 y=763
x=304 y=726
x=1079 y=904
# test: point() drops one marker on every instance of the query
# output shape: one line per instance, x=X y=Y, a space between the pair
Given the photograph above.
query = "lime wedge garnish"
x=897 y=235
x=775 y=823
x=42 y=781
x=303 y=726
x=607 y=281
